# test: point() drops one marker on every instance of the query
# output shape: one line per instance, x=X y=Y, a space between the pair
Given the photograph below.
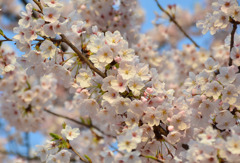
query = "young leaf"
x=89 y=121
x=55 y=136
x=1 y=32
x=89 y=160
x=64 y=144
x=64 y=125
x=82 y=120
x=151 y=157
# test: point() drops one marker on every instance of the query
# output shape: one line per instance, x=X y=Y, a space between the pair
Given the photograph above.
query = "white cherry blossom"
x=70 y=133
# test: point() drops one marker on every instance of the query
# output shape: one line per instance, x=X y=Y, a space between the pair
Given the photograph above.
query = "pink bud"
x=169 y=119
x=143 y=99
x=182 y=112
x=145 y=94
x=83 y=7
x=194 y=91
x=170 y=128
x=79 y=90
x=221 y=102
x=117 y=59
x=149 y=90
x=115 y=19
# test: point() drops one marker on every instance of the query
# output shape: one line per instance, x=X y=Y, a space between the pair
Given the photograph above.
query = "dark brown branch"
x=78 y=122
x=24 y=2
x=176 y=23
x=38 y=3
x=75 y=49
x=6 y=38
x=4 y=41
x=81 y=56
x=235 y=24
x=159 y=131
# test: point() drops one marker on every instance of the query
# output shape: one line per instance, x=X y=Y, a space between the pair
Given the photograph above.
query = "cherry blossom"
x=70 y=133
x=99 y=91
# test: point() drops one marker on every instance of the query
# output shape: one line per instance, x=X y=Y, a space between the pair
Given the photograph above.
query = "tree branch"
x=38 y=3
x=235 y=24
x=81 y=56
x=75 y=49
x=78 y=122
x=24 y=2
x=6 y=38
x=176 y=23
x=81 y=158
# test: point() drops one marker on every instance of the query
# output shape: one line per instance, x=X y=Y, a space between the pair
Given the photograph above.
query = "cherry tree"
x=101 y=91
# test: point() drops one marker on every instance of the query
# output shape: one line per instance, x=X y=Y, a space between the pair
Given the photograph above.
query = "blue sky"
x=150 y=6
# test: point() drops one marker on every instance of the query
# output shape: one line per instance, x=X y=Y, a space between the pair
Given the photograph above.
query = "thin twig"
x=176 y=23
x=152 y=158
x=75 y=49
x=38 y=3
x=81 y=158
x=24 y=2
x=6 y=38
x=78 y=122
x=81 y=56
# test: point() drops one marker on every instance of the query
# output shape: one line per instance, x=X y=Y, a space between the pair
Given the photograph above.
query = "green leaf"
x=37 y=47
x=108 y=67
x=82 y=120
x=55 y=136
x=89 y=121
x=151 y=157
x=34 y=9
x=64 y=125
x=64 y=144
x=1 y=32
x=117 y=65
x=89 y=160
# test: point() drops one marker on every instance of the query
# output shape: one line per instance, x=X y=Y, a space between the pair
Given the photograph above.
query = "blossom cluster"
x=223 y=12
x=54 y=151
x=130 y=103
